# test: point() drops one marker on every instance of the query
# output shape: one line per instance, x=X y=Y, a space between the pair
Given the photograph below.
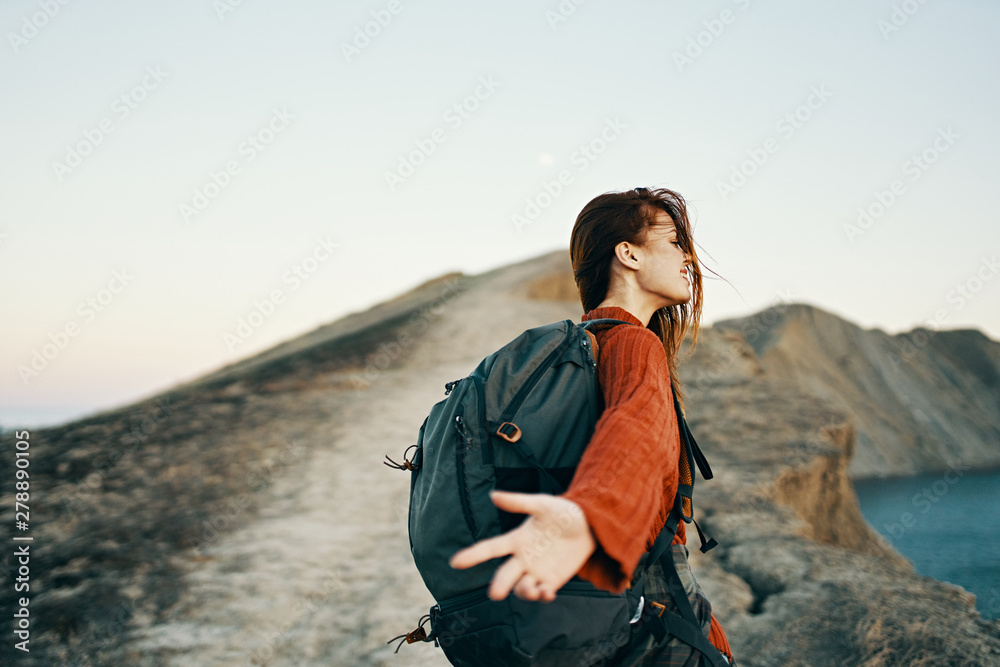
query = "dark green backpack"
x=519 y=422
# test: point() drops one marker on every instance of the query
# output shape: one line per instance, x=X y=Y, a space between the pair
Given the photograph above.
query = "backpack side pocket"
x=450 y=508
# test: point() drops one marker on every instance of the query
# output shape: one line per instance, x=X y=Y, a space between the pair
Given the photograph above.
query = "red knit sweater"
x=627 y=478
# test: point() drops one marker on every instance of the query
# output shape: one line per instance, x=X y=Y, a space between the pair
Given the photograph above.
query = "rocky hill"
x=922 y=400
x=246 y=518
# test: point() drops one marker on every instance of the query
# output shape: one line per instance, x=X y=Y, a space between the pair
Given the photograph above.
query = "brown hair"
x=613 y=217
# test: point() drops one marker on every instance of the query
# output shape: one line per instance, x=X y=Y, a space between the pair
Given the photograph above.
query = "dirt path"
x=324 y=574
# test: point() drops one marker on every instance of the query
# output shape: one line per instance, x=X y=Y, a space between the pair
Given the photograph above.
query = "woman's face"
x=663 y=269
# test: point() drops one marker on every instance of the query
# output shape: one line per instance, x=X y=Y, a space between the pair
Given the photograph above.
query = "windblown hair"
x=613 y=217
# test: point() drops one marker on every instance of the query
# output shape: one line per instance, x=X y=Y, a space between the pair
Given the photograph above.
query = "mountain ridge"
x=924 y=401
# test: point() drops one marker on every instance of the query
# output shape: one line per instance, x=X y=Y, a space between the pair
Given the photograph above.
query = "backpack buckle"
x=513 y=434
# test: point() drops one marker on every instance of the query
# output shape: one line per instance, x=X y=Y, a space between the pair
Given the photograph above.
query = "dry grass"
x=117 y=497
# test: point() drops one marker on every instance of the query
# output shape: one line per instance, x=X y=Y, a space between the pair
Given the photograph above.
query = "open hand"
x=546 y=550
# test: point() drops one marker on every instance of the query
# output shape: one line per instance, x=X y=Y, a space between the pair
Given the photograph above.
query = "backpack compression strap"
x=690 y=452
x=661 y=621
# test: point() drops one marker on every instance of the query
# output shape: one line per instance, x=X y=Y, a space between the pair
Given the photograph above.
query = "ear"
x=626 y=254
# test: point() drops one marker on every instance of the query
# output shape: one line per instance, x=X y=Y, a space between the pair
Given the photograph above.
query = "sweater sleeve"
x=719 y=640
x=630 y=464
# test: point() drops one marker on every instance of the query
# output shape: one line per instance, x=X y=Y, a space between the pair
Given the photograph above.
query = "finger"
x=480 y=552
x=524 y=586
x=527 y=587
x=518 y=503
x=505 y=578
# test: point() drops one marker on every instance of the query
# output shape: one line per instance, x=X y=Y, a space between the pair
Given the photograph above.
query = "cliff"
x=246 y=517
x=922 y=400
x=799 y=577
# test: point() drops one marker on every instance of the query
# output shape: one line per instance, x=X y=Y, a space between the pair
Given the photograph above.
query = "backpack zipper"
x=463 y=600
x=583 y=588
x=482 y=595
x=463 y=491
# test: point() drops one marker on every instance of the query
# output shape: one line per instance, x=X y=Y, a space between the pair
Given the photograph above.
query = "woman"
x=633 y=259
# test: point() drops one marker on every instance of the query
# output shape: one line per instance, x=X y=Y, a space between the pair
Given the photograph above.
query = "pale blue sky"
x=685 y=125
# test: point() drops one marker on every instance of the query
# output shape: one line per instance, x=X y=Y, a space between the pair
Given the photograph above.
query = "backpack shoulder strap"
x=598 y=324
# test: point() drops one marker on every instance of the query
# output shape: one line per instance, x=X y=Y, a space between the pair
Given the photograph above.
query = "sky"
x=170 y=169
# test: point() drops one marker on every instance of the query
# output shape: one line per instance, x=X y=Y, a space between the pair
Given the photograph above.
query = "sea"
x=946 y=523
